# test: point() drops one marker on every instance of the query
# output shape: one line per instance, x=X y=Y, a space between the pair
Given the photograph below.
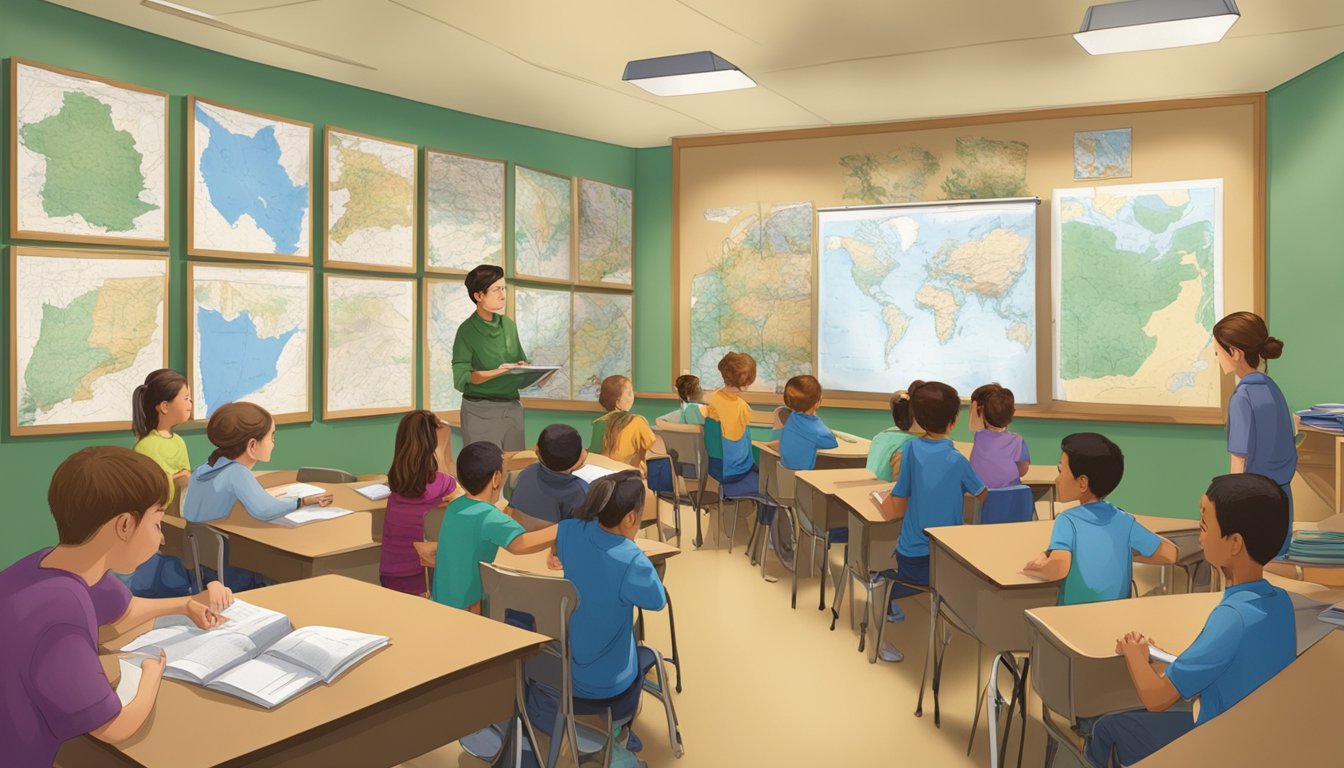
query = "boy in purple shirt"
x=999 y=457
x=108 y=504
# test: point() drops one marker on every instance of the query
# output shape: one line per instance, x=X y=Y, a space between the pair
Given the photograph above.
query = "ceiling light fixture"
x=1146 y=25
x=686 y=73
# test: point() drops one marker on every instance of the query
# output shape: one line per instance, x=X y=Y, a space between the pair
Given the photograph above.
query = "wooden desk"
x=447 y=673
x=872 y=548
x=1040 y=478
x=658 y=553
x=1320 y=463
x=843 y=456
x=1286 y=721
x=818 y=501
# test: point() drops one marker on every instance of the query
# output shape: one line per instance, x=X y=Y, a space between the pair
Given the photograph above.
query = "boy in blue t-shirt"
x=803 y=434
x=930 y=484
x=548 y=491
x=1091 y=544
x=1249 y=638
x=613 y=576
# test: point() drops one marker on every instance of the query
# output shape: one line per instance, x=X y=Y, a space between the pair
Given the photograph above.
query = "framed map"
x=370 y=202
x=603 y=340
x=542 y=237
x=464 y=212
x=446 y=306
x=88 y=158
x=248 y=338
x=249 y=184
x=1102 y=154
x=543 y=318
x=85 y=328
x=368 y=353
x=606 y=233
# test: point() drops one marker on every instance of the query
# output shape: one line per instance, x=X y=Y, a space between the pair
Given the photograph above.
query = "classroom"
x=402 y=383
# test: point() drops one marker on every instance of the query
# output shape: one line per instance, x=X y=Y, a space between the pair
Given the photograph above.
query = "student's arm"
x=1155 y=691
x=1165 y=554
x=641 y=586
x=1023 y=460
x=825 y=438
x=1238 y=464
x=1054 y=563
x=972 y=485
x=894 y=507
x=255 y=499
x=1240 y=432
x=142 y=610
x=527 y=543
x=895 y=462
x=134 y=714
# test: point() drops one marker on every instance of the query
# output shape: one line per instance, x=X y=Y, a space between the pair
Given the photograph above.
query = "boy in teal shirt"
x=1091 y=544
x=474 y=529
x=1248 y=639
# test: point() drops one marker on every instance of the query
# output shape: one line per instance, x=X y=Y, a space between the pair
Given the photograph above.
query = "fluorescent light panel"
x=686 y=73
x=1146 y=25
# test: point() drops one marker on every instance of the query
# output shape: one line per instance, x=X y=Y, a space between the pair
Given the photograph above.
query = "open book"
x=256 y=655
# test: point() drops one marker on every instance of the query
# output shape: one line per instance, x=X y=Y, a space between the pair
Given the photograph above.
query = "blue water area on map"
x=235 y=359
x=244 y=176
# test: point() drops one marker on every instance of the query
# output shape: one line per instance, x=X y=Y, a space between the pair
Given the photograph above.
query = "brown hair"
x=934 y=405
x=688 y=387
x=901 y=412
x=613 y=387
x=161 y=386
x=96 y=484
x=612 y=497
x=738 y=369
x=997 y=405
x=1247 y=331
x=233 y=425
x=414 y=462
x=802 y=392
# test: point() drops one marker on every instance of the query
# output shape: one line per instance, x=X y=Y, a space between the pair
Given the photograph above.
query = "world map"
x=87 y=331
x=543 y=319
x=1138 y=272
x=603 y=340
x=942 y=292
x=370 y=201
x=370 y=341
x=541 y=224
x=464 y=207
x=251 y=178
x=755 y=295
x=89 y=159
x=606 y=232
x=250 y=338
x=447 y=307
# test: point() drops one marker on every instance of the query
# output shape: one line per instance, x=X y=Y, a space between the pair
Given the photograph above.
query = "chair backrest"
x=713 y=442
x=324 y=475
x=205 y=546
x=549 y=600
x=598 y=435
x=688 y=445
x=660 y=472
x=1013 y=504
x=783 y=485
x=433 y=522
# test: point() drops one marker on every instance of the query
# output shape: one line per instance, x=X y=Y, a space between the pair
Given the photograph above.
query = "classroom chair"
x=781 y=486
x=1011 y=504
x=200 y=543
x=324 y=475
x=661 y=477
x=713 y=434
x=545 y=604
x=433 y=523
x=691 y=465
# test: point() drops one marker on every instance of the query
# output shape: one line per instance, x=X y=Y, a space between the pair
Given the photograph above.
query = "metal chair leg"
x=928 y=657
x=732 y=530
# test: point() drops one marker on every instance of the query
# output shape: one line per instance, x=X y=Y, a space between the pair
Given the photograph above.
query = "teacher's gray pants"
x=493 y=421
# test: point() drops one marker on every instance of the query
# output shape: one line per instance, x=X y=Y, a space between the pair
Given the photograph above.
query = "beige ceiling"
x=557 y=65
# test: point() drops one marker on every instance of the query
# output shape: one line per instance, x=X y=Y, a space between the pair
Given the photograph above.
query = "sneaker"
x=890 y=653
x=894 y=613
x=632 y=742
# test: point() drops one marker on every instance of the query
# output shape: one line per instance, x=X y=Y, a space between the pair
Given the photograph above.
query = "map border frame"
x=512 y=256
x=412 y=265
x=17 y=251
x=412 y=402
x=429 y=269
x=578 y=255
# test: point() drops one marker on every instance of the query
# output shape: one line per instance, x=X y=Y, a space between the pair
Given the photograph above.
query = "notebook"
x=295 y=491
x=375 y=492
x=256 y=655
x=310 y=514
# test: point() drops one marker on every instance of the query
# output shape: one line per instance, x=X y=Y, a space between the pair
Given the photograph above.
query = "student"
x=804 y=433
x=474 y=529
x=884 y=454
x=107 y=503
x=727 y=407
x=626 y=436
x=928 y=493
x=613 y=577
x=1260 y=430
x=999 y=457
x=548 y=490
x=1091 y=545
x=417 y=486
x=690 y=395
x=1249 y=638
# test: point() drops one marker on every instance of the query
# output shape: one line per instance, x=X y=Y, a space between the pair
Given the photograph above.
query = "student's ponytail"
x=161 y=386
x=902 y=414
x=612 y=497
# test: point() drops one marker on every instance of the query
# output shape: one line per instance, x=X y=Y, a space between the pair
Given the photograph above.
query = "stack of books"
x=1327 y=417
x=1317 y=547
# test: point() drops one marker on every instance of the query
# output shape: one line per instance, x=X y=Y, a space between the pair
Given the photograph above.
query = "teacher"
x=485 y=349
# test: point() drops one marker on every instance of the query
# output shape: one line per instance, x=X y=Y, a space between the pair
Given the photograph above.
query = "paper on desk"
x=311 y=514
x=130 y=682
x=295 y=491
x=845 y=436
x=375 y=492
x=592 y=472
x=1157 y=654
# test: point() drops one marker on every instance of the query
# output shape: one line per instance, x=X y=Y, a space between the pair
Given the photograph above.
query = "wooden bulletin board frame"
x=330 y=414
x=1228 y=132
x=16 y=252
x=192 y=249
x=430 y=269
x=413 y=255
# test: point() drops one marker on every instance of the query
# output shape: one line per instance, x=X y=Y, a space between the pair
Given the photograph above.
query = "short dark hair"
x=802 y=392
x=997 y=405
x=481 y=278
x=559 y=447
x=477 y=463
x=612 y=497
x=1253 y=506
x=95 y=485
x=1096 y=457
x=934 y=405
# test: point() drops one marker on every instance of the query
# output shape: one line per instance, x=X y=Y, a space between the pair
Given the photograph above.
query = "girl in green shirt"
x=157 y=406
x=884 y=455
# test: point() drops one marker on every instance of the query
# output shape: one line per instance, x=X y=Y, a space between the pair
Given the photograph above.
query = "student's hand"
x=153 y=668
x=554 y=563
x=1037 y=564
x=201 y=614
x=320 y=499
x=1133 y=646
x=182 y=479
x=218 y=596
x=428 y=552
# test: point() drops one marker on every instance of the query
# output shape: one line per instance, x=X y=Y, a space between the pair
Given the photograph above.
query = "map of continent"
x=541 y=224
x=896 y=177
x=251 y=177
x=87 y=331
x=447 y=307
x=987 y=169
x=250 y=339
x=370 y=201
x=946 y=292
x=464 y=207
x=1139 y=286
x=603 y=340
x=755 y=293
x=370 y=340
x=606 y=232
x=543 y=320
x=89 y=158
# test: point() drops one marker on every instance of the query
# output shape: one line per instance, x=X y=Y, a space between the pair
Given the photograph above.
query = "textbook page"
x=327 y=651
x=129 y=684
x=592 y=472
x=197 y=655
x=265 y=681
x=295 y=491
x=310 y=514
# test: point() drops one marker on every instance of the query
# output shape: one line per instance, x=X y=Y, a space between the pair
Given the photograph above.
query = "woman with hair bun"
x=1259 y=424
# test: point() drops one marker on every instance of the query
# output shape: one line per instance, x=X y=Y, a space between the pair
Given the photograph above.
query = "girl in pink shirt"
x=417 y=487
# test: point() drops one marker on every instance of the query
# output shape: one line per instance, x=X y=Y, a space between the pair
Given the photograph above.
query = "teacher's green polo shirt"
x=484 y=346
